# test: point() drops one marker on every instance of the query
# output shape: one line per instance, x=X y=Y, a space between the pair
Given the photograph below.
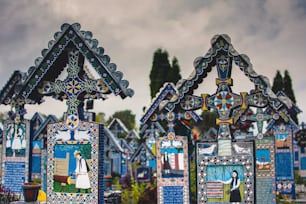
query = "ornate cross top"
x=259 y=117
x=75 y=89
x=152 y=130
x=230 y=106
x=224 y=101
x=171 y=117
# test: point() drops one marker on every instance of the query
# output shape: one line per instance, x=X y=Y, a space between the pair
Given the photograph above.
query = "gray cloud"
x=270 y=32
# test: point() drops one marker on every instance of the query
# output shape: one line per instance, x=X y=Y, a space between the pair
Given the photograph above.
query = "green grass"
x=68 y=188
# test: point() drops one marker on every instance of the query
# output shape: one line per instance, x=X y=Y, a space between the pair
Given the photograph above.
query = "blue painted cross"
x=72 y=87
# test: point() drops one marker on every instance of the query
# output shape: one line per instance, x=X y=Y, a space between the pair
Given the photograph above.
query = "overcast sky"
x=272 y=33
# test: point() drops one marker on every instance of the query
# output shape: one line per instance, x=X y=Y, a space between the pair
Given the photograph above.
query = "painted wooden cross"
x=230 y=106
x=152 y=130
x=72 y=88
x=259 y=117
x=171 y=117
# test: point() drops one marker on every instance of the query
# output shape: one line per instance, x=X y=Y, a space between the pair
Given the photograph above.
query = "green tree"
x=193 y=181
x=285 y=84
x=287 y=87
x=175 y=75
x=162 y=71
x=100 y=118
x=127 y=117
x=277 y=82
x=209 y=120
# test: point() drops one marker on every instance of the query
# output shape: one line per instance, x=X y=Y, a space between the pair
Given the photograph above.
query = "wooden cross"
x=259 y=118
x=225 y=102
x=72 y=88
x=171 y=117
x=153 y=130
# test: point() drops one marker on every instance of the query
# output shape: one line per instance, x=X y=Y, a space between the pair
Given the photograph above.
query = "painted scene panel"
x=72 y=168
x=172 y=160
x=263 y=160
x=225 y=183
x=75 y=163
x=16 y=141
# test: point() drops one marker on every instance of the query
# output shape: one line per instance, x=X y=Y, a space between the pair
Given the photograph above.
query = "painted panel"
x=75 y=163
x=303 y=163
x=36 y=159
x=284 y=159
x=172 y=170
x=223 y=179
x=265 y=170
x=15 y=155
x=143 y=173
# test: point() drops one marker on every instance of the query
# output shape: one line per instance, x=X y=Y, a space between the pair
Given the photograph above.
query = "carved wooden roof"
x=55 y=58
x=221 y=44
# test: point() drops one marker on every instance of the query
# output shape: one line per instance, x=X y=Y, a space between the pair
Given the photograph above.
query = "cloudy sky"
x=271 y=32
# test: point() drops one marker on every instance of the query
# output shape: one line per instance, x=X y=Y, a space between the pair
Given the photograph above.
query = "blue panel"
x=173 y=194
x=284 y=159
x=296 y=156
x=303 y=163
x=152 y=164
x=14 y=176
x=36 y=164
x=224 y=173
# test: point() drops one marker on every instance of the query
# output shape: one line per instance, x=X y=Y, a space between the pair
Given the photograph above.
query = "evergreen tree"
x=175 y=75
x=285 y=84
x=277 y=82
x=209 y=120
x=126 y=117
x=287 y=87
x=162 y=71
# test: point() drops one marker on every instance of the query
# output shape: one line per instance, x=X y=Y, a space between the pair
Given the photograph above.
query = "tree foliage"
x=288 y=86
x=285 y=84
x=277 y=82
x=100 y=118
x=127 y=117
x=162 y=71
x=209 y=120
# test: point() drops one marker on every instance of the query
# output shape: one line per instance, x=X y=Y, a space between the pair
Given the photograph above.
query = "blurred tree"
x=277 y=82
x=174 y=75
x=162 y=71
x=209 y=120
x=287 y=87
x=285 y=84
x=126 y=116
x=100 y=118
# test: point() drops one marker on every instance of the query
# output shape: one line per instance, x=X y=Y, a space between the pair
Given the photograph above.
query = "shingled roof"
x=221 y=44
x=55 y=58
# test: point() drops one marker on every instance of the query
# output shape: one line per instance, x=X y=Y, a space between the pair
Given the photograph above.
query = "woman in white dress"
x=16 y=144
x=81 y=171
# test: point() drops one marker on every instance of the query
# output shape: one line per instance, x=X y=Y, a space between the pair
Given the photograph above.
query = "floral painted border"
x=180 y=181
x=96 y=141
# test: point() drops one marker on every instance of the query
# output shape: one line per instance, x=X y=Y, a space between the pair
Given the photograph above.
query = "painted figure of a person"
x=166 y=163
x=17 y=141
x=9 y=139
x=81 y=171
x=234 y=182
